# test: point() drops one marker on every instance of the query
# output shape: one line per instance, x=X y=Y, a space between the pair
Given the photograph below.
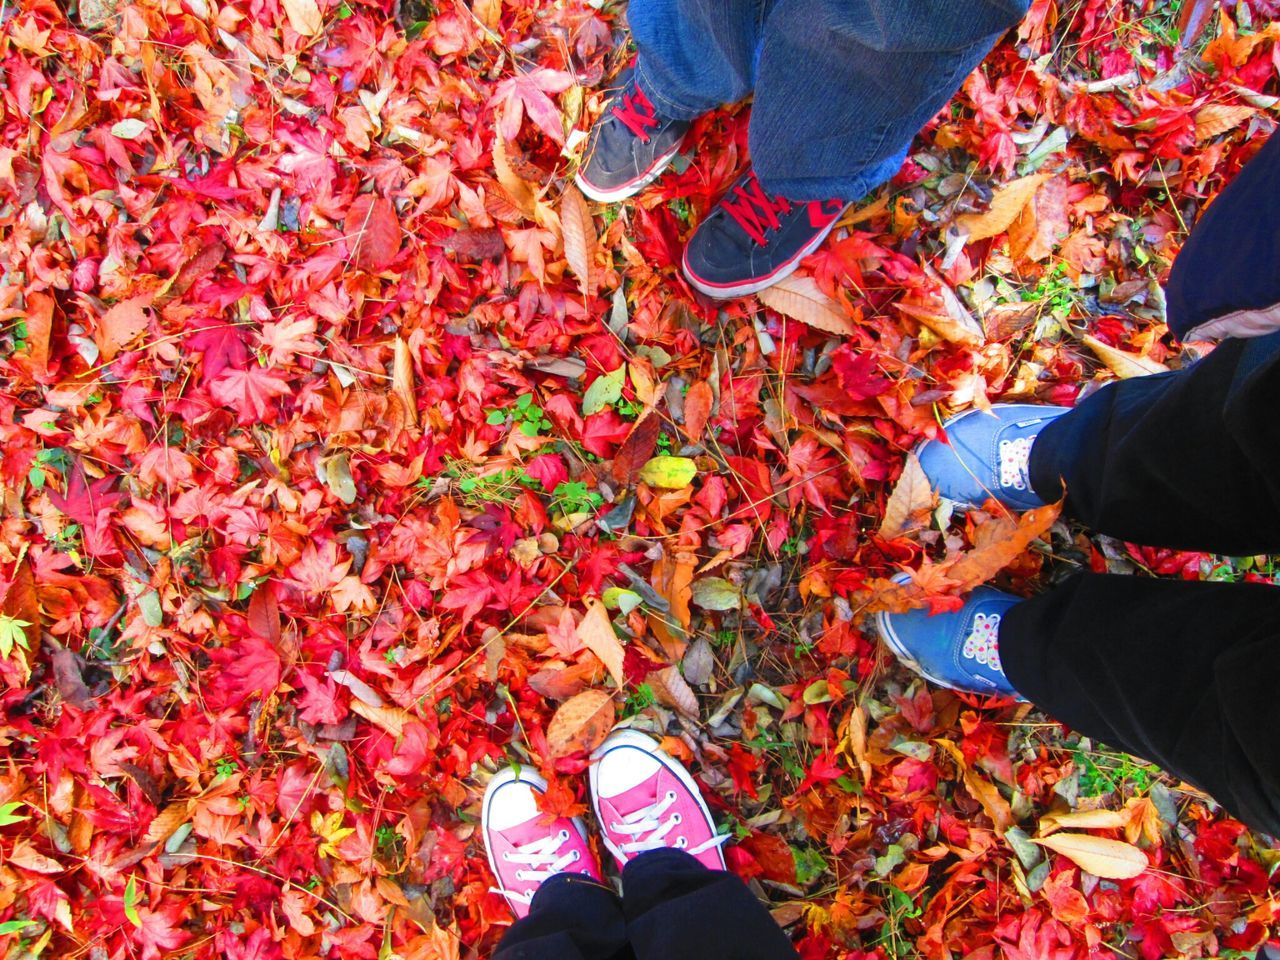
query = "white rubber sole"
x=755 y=286
x=629 y=189
x=633 y=738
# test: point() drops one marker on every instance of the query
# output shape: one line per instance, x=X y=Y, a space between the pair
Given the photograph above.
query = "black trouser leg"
x=571 y=918
x=677 y=909
x=1189 y=460
x=1184 y=674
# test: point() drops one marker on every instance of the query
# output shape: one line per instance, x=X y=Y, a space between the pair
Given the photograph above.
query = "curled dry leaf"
x=910 y=502
x=1082 y=820
x=1006 y=204
x=1120 y=362
x=1109 y=859
x=580 y=724
x=597 y=634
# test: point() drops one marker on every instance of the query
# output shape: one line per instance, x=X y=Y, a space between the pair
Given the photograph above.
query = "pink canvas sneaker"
x=524 y=847
x=645 y=800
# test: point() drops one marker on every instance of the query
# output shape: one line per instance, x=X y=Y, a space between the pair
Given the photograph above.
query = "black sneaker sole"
x=730 y=291
x=631 y=187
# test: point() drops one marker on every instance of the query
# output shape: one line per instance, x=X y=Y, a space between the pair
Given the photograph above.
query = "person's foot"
x=524 y=847
x=988 y=455
x=960 y=650
x=645 y=800
x=752 y=239
x=629 y=146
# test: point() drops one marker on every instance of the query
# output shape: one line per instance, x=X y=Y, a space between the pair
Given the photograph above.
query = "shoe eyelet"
x=506 y=856
x=577 y=855
x=564 y=835
x=671 y=795
x=681 y=843
x=677 y=818
x=520 y=875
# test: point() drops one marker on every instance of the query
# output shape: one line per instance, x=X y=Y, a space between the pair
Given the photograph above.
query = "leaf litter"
x=349 y=453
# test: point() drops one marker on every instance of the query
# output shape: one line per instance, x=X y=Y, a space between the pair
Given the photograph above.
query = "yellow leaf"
x=390 y=719
x=596 y=634
x=331 y=830
x=579 y=232
x=304 y=16
x=1122 y=363
x=800 y=299
x=580 y=724
x=1006 y=203
x=1082 y=820
x=670 y=473
x=1109 y=859
x=912 y=496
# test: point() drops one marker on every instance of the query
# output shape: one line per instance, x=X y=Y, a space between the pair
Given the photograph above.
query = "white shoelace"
x=544 y=857
x=650 y=830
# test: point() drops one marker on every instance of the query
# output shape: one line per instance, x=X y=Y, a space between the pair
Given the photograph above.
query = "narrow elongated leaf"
x=1109 y=859
x=579 y=232
x=800 y=299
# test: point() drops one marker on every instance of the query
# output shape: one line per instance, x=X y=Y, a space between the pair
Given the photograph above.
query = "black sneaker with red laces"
x=629 y=146
x=752 y=239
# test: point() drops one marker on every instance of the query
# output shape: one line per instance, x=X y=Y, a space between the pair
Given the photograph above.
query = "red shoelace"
x=637 y=113
x=754 y=210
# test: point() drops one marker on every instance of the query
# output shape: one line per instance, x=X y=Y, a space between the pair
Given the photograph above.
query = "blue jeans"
x=841 y=86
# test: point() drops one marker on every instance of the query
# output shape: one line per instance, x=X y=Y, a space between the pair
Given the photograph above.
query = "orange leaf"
x=581 y=724
x=673 y=690
x=597 y=635
x=976 y=567
x=1215 y=119
x=167 y=821
x=122 y=324
x=1109 y=859
x=1006 y=203
x=39 y=329
x=908 y=506
x=697 y=408
x=402 y=380
x=579 y=232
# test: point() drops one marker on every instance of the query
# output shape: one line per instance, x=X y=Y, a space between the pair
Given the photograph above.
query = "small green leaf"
x=12 y=635
x=131 y=902
x=716 y=593
x=8 y=815
x=619 y=598
x=817 y=692
x=670 y=473
x=13 y=926
x=496 y=418
x=604 y=391
x=149 y=604
x=128 y=129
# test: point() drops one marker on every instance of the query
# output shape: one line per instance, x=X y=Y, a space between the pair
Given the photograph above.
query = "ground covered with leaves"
x=344 y=445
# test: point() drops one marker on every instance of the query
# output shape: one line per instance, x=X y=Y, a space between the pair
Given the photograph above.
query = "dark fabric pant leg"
x=677 y=909
x=1188 y=459
x=841 y=86
x=571 y=918
x=1184 y=674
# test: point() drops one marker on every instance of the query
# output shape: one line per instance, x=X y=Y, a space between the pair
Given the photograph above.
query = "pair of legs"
x=672 y=908
x=679 y=902
x=841 y=87
x=1182 y=673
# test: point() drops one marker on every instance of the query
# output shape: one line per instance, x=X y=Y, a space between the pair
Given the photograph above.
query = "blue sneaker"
x=989 y=455
x=958 y=650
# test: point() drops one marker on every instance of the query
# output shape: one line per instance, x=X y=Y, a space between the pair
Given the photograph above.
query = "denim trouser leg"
x=841 y=86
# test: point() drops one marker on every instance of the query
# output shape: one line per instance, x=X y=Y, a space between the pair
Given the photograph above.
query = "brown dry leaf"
x=673 y=690
x=636 y=450
x=579 y=232
x=390 y=719
x=520 y=191
x=580 y=724
x=39 y=330
x=979 y=565
x=1082 y=820
x=697 y=408
x=28 y=858
x=1215 y=119
x=982 y=790
x=304 y=16
x=167 y=821
x=121 y=325
x=910 y=503
x=942 y=322
x=1006 y=203
x=1109 y=859
x=402 y=380
x=1120 y=362
x=597 y=635
x=1043 y=223
x=800 y=299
